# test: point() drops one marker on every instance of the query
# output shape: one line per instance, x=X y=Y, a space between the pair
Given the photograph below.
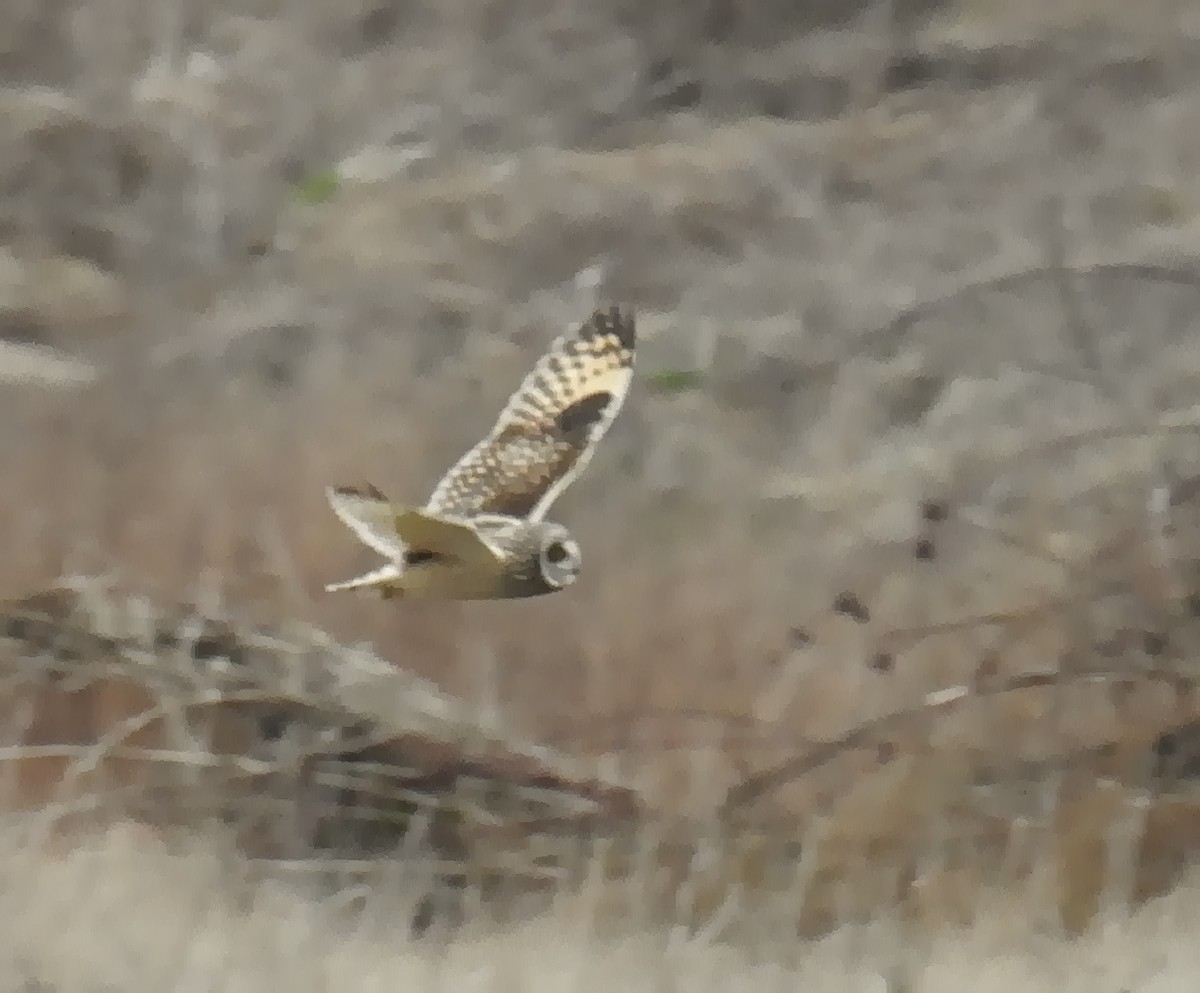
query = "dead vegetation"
x=889 y=605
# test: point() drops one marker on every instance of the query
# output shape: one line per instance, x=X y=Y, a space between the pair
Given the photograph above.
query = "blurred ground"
x=252 y=248
x=136 y=917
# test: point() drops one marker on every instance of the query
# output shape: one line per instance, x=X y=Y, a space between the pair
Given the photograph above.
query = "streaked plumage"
x=483 y=534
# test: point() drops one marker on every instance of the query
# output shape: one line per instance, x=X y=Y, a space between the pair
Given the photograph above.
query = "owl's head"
x=558 y=556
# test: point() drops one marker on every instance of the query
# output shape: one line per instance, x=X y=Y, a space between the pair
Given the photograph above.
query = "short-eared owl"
x=483 y=533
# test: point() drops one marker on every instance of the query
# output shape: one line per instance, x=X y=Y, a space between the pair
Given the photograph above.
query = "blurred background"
x=914 y=407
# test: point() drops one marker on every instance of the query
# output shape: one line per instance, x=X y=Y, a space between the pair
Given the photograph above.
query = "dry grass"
x=124 y=912
x=300 y=244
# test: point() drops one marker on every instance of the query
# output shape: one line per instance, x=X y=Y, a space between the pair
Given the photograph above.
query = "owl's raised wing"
x=549 y=429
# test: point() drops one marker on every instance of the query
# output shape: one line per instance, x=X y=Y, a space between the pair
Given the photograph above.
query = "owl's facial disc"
x=559 y=557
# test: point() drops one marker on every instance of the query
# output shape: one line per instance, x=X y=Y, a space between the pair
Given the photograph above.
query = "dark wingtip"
x=362 y=490
x=617 y=321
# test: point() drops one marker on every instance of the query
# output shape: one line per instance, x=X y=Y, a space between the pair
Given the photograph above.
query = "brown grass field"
x=891 y=603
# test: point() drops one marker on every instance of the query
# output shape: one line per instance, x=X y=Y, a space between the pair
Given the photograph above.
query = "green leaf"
x=318 y=187
x=670 y=381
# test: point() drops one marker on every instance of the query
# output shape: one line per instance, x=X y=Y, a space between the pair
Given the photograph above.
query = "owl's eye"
x=556 y=552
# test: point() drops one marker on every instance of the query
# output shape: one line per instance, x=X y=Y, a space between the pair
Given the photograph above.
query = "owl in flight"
x=483 y=534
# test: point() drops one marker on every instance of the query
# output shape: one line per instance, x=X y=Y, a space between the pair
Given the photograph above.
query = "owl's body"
x=482 y=534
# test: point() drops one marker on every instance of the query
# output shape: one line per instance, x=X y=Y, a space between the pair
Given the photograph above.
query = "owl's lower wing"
x=446 y=538
x=367 y=512
x=399 y=532
x=547 y=432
